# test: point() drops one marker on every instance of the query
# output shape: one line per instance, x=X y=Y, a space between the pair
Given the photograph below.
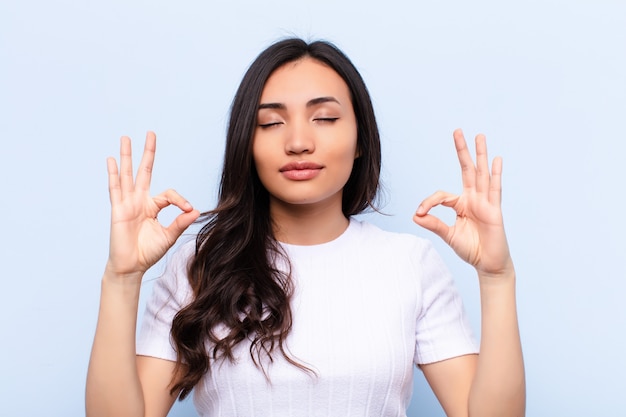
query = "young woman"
x=285 y=304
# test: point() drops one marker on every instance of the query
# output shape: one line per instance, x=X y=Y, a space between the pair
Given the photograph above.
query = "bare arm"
x=118 y=382
x=492 y=384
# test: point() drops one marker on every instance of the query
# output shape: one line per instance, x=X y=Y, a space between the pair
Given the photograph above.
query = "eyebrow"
x=310 y=103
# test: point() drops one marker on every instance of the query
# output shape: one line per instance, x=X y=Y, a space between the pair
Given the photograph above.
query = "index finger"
x=144 y=173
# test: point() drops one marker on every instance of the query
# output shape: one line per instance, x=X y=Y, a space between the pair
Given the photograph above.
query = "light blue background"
x=545 y=80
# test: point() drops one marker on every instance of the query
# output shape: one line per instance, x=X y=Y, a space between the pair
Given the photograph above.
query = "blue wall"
x=545 y=80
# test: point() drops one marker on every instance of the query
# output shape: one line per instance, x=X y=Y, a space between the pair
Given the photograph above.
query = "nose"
x=300 y=139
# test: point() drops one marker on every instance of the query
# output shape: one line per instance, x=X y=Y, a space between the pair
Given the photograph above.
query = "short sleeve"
x=442 y=329
x=171 y=292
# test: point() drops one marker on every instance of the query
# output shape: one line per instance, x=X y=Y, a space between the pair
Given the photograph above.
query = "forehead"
x=302 y=80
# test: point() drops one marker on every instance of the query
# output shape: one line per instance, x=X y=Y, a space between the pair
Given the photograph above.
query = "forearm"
x=113 y=385
x=498 y=388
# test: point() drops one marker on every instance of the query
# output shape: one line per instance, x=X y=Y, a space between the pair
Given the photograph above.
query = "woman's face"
x=305 y=142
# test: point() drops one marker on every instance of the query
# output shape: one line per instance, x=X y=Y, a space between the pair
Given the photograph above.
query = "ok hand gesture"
x=138 y=240
x=478 y=234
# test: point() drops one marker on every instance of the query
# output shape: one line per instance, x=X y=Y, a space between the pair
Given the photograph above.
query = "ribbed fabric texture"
x=367 y=307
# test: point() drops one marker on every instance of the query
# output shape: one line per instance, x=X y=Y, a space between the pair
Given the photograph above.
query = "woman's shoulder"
x=371 y=241
x=174 y=279
x=179 y=256
x=371 y=234
x=184 y=249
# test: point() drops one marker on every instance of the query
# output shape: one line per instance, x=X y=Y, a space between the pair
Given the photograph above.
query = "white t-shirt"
x=367 y=306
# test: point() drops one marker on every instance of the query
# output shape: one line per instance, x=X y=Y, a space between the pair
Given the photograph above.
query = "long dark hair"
x=239 y=291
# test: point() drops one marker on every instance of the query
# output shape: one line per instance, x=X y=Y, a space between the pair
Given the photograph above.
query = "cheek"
x=354 y=143
x=259 y=153
x=257 y=158
x=346 y=157
x=351 y=150
x=262 y=158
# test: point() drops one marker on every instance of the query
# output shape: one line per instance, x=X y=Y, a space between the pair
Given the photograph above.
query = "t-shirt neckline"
x=351 y=229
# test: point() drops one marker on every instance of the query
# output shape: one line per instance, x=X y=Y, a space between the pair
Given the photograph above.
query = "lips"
x=301 y=170
x=300 y=165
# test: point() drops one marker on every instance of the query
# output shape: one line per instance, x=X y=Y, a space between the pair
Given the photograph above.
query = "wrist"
x=113 y=276
x=501 y=276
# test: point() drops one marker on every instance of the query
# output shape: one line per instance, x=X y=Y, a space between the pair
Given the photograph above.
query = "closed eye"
x=326 y=119
x=268 y=125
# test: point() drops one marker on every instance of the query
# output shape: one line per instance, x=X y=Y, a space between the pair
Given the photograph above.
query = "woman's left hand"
x=478 y=234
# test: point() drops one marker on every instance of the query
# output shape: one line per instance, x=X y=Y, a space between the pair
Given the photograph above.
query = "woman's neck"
x=307 y=224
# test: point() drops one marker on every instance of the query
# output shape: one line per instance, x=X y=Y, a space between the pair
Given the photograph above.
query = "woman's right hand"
x=138 y=240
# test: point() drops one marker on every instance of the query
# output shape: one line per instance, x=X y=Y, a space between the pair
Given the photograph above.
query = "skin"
x=306 y=115
x=306 y=212
x=492 y=383
x=119 y=383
